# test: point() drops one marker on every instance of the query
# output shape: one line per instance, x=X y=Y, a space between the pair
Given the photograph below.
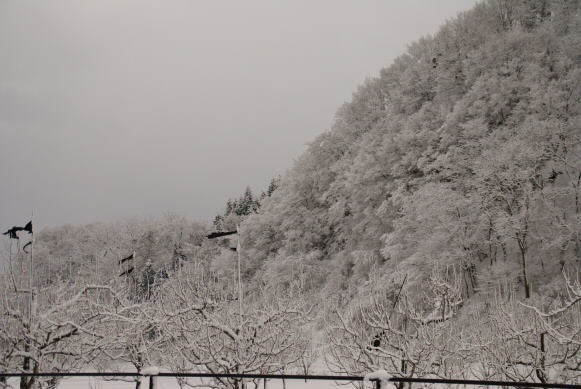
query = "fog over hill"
x=117 y=109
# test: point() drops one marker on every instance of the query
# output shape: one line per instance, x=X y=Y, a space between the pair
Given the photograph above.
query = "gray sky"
x=111 y=109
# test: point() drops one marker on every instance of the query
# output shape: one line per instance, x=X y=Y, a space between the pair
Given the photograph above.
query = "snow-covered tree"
x=58 y=333
x=206 y=327
x=130 y=331
x=386 y=330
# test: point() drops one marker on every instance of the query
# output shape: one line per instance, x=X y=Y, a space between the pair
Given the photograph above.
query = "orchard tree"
x=387 y=328
x=206 y=327
x=557 y=335
x=130 y=332
x=58 y=333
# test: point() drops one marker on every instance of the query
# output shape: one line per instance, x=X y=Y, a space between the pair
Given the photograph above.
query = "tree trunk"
x=540 y=371
x=26 y=382
x=523 y=253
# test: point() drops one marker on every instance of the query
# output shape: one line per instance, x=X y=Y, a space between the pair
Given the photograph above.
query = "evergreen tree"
x=274 y=184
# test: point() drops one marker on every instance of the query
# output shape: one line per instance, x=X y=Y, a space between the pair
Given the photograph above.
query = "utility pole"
x=31 y=282
x=238 y=249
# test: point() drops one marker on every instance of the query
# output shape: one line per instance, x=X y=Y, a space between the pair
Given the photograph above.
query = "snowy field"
x=171 y=383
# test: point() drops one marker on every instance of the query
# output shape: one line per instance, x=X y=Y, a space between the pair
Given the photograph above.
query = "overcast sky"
x=111 y=109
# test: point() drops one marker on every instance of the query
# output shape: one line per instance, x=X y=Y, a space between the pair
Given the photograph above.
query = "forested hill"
x=461 y=160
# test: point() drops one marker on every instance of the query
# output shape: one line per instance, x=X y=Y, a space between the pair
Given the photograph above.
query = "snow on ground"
x=381 y=375
x=171 y=383
x=318 y=367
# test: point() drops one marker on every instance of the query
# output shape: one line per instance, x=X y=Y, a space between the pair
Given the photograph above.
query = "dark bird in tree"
x=377 y=339
x=553 y=176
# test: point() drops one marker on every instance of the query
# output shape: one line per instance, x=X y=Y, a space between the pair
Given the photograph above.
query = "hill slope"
x=464 y=154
